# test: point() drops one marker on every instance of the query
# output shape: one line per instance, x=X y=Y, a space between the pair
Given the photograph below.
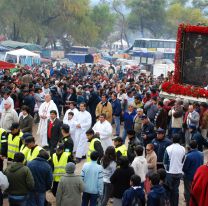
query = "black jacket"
x=121 y=181
x=148 y=129
x=133 y=142
x=29 y=101
x=55 y=132
x=26 y=124
x=68 y=144
x=98 y=147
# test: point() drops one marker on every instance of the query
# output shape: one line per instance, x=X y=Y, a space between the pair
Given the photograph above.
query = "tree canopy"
x=80 y=22
x=43 y=21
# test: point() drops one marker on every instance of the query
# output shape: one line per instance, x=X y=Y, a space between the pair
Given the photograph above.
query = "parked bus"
x=165 y=46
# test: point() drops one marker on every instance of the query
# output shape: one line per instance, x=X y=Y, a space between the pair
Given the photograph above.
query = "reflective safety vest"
x=13 y=145
x=2 y=140
x=91 y=148
x=122 y=149
x=24 y=149
x=33 y=154
x=59 y=165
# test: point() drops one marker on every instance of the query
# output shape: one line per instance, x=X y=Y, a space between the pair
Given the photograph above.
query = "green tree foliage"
x=147 y=15
x=45 y=21
x=177 y=14
x=160 y=18
x=104 y=21
x=78 y=22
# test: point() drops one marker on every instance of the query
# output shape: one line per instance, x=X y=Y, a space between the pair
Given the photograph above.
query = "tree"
x=104 y=20
x=177 y=14
x=182 y=2
x=121 y=20
x=147 y=15
x=44 y=21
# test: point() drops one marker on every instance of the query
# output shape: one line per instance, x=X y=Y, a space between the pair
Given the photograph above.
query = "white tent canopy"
x=21 y=53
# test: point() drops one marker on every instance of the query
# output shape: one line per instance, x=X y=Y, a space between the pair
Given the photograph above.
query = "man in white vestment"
x=44 y=113
x=104 y=129
x=84 y=121
x=72 y=108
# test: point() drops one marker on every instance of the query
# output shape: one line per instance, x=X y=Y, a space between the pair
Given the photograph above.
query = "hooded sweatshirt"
x=153 y=198
x=20 y=179
x=130 y=194
x=140 y=167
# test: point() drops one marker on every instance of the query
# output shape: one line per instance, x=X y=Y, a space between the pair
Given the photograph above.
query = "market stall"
x=22 y=56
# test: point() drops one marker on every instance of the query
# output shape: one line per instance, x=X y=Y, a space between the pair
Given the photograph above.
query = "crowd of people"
x=136 y=146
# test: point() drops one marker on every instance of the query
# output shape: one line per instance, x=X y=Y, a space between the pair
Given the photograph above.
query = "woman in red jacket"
x=199 y=190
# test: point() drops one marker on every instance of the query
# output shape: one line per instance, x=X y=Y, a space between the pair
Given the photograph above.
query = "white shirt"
x=45 y=91
x=130 y=100
x=122 y=97
x=140 y=167
x=104 y=129
x=176 y=154
x=4 y=184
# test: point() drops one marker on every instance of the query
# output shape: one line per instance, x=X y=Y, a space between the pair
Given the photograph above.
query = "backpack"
x=164 y=200
x=136 y=201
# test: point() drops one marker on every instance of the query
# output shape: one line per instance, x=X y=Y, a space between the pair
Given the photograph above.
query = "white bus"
x=165 y=46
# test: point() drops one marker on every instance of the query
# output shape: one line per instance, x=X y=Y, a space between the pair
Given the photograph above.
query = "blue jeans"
x=187 y=189
x=107 y=190
x=173 y=182
x=36 y=198
x=87 y=197
x=117 y=122
x=124 y=135
x=15 y=200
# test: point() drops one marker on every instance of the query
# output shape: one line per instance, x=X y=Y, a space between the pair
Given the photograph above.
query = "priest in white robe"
x=104 y=129
x=44 y=113
x=84 y=121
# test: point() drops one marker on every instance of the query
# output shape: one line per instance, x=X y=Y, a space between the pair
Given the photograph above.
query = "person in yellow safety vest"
x=3 y=147
x=121 y=149
x=33 y=148
x=24 y=148
x=59 y=161
x=14 y=142
x=94 y=145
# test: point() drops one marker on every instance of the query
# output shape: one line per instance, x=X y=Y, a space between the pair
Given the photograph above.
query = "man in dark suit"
x=53 y=131
x=26 y=120
x=92 y=102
